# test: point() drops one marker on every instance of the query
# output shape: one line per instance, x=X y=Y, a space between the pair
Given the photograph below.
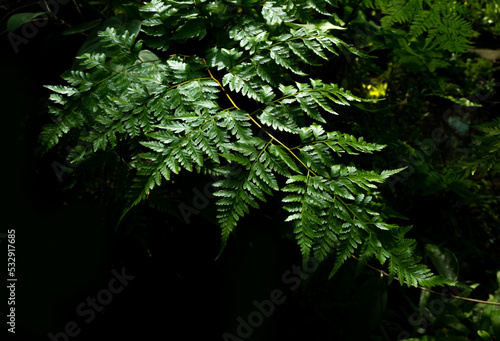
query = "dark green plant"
x=196 y=87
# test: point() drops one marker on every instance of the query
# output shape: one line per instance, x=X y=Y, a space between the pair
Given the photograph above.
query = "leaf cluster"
x=180 y=112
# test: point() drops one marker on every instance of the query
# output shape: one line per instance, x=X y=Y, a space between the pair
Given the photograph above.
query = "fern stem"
x=383 y=273
x=282 y=144
x=215 y=79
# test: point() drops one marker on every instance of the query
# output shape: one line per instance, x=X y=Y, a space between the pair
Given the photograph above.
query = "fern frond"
x=179 y=113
